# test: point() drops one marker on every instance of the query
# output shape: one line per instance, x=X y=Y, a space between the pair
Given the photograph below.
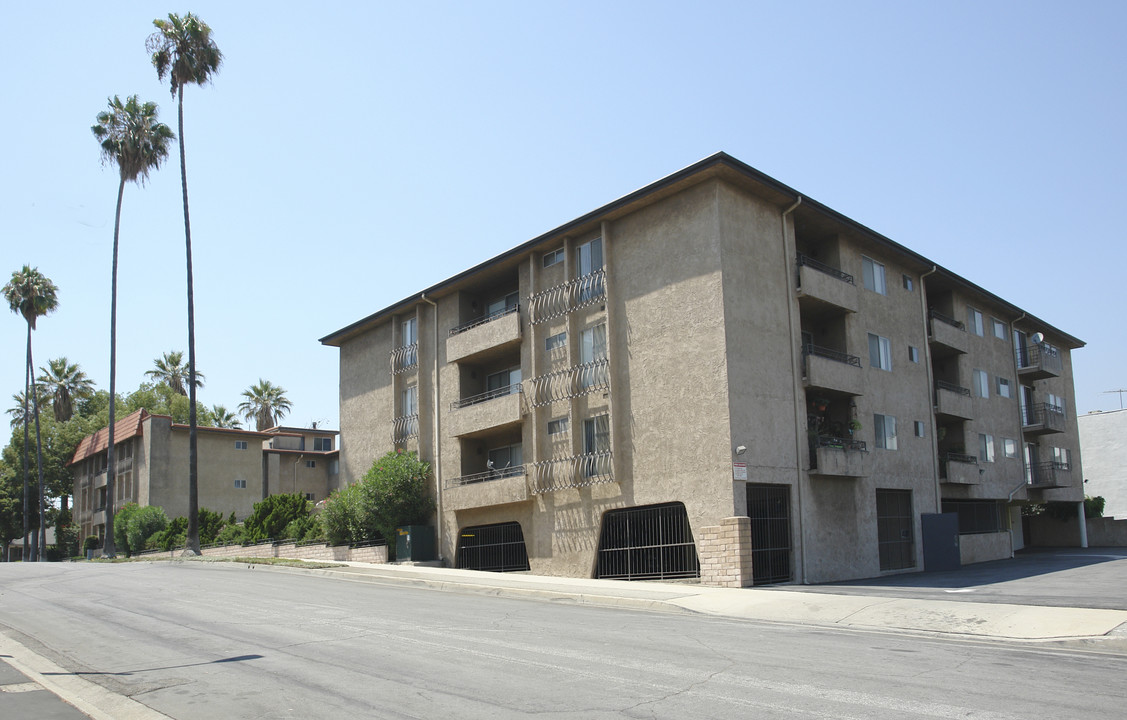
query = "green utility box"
x=414 y=543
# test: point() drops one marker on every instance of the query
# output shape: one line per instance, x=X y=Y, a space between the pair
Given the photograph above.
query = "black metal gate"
x=496 y=548
x=894 y=529
x=653 y=542
x=768 y=506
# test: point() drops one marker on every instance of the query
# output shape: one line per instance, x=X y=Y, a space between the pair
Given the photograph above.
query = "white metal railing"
x=484 y=319
x=404 y=428
x=565 y=298
x=404 y=358
x=572 y=472
x=485 y=396
x=571 y=382
x=494 y=474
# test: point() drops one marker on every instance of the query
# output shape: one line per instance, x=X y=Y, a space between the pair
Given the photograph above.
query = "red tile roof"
x=123 y=429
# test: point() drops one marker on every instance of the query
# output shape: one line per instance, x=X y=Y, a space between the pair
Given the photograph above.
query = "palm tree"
x=171 y=371
x=32 y=295
x=265 y=404
x=133 y=139
x=20 y=410
x=182 y=48
x=224 y=418
x=66 y=383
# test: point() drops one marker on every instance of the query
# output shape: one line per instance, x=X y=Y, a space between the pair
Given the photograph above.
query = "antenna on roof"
x=1109 y=392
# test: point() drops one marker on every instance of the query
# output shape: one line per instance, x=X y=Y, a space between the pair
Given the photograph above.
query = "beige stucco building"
x=236 y=468
x=714 y=376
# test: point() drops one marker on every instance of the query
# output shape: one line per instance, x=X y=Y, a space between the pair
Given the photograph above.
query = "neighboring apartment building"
x=1103 y=442
x=714 y=376
x=236 y=468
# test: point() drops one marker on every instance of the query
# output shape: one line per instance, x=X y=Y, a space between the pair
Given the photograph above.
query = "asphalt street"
x=196 y=640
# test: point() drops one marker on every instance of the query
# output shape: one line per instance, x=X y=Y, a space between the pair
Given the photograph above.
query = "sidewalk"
x=777 y=604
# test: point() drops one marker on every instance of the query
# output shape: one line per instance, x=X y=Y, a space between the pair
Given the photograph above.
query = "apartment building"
x=716 y=377
x=236 y=468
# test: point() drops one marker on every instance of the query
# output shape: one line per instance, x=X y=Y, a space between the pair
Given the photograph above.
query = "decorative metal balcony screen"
x=565 y=298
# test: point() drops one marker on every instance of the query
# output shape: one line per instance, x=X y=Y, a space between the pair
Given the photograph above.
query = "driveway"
x=1056 y=577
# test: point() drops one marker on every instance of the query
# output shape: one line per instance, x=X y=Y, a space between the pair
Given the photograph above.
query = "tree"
x=171 y=371
x=133 y=139
x=266 y=404
x=66 y=382
x=20 y=409
x=10 y=510
x=183 y=50
x=224 y=418
x=32 y=295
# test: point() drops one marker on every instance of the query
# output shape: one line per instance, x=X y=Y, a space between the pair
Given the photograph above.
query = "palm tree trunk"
x=26 y=462
x=193 y=539
x=109 y=549
x=40 y=557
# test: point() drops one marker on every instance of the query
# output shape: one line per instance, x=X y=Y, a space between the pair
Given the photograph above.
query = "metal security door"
x=768 y=506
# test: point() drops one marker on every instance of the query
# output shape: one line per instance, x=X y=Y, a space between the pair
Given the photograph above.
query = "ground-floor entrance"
x=768 y=506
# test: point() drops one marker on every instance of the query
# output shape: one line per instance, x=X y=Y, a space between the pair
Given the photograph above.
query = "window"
x=985 y=448
x=1056 y=403
x=410 y=331
x=978 y=516
x=334 y=467
x=310 y=463
x=999 y=328
x=241 y=484
x=974 y=321
x=1003 y=387
x=873 y=275
x=557 y=426
x=501 y=383
x=506 y=461
x=501 y=305
x=1061 y=457
x=555 y=342
x=410 y=340
x=913 y=354
x=310 y=497
x=322 y=444
x=596 y=445
x=411 y=400
x=240 y=444
x=919 y=428
x=589 y=257
x=907 y=282
x=1009 y=447
x=884 y=427
x=554 y=257
x=981 y=384
x=880 y=352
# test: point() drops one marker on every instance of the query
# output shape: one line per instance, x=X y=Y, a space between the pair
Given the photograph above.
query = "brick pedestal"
x=725 y=553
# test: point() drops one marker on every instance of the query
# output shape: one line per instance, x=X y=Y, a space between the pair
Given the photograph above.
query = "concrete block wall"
x=725 y=553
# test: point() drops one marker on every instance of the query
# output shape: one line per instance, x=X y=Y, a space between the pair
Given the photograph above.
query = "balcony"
x=946 y=333
x=487 y=411
x=98 y=517
x=403 y=428
x=825 y=286
x=404 y=358
x=1037 y=362
x=100 y=479
x=572 y=382
x=831 y=370
x=832 y=456
x=568 y=297
x=1049 y=475
x=1042 y=419
x=953 y=401
x=958 y=469
x=493 y=487
x=485 y=336
x=572 y=472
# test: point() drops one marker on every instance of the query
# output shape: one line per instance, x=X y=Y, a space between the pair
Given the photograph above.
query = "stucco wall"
x=983 y=547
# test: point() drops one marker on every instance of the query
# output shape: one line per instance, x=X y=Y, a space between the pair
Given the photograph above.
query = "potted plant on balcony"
x=854 y=426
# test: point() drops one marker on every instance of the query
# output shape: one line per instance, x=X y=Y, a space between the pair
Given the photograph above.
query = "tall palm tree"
x=66 y=382
x=136 y=141
x=21 y=409
x=31 y=294
x=266 y=404
x=224 y=418
x=169 y=369
x=183 y=50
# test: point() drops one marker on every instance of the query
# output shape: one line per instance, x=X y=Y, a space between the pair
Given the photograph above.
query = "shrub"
x=121 y=527
x=173 y=536
x=391 y=494
x=272 y=515
x=231 y=534
x=91 y=543
x=144 y=523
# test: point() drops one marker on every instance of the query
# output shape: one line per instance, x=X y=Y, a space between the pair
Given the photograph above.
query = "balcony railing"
x=951 y=387
x=947 y=319
x=565 y=298
x=494 y=474
x=1050 y=474
x=840 y=443
x=404 y=428
x=835 y=355
x=572 y=472
x=959 y=457
x=1042 y=359
x=823 y=268
x=482 y=320
x=1043 y=415
x=404 y=358
x=486 y=396
x=572 y=382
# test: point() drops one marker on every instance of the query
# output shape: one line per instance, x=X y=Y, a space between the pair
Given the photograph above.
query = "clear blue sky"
x=350 y=154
